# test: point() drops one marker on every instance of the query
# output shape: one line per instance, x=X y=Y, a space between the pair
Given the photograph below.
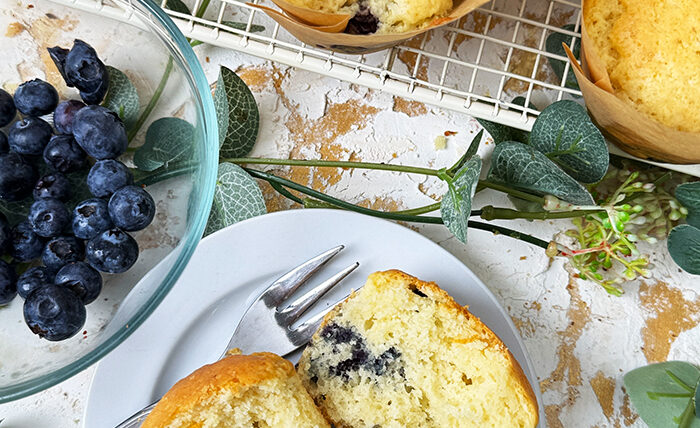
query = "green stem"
x=492 y=213
x=498 y=230
x=286 y=193
x=154 y=100
x=202 y=8
x=271 y=178
x=333 y=164
x=421 y=210
x=391 y=215
x=513 y=192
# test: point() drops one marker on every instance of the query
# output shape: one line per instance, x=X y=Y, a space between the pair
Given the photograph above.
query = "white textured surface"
x=581 y=340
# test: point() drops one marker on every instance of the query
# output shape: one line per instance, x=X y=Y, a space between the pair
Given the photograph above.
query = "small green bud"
x=623 y=216
x=675 y=215
x=638 y=208
x=683 y=210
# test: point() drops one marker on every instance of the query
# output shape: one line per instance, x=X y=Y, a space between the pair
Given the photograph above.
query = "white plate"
x=194 y=322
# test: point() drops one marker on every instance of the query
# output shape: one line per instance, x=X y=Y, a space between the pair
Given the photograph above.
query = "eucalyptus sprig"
x=554 y=172
x=665 y=394
x=544 y=168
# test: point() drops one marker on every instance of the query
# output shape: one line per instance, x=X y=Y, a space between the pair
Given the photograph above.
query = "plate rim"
x=526 y=365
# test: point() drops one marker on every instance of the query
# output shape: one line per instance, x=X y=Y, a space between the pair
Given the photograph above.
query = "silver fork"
x=266 y=326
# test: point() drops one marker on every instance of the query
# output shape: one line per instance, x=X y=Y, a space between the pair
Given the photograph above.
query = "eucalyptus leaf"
x=122 y=97
x=243 y=26
x=688 y=194
x=501 y=133
x=16 y=211
x=168 y=139
x=660 y=411
x=526 y=206
x=471 y=151
x=684 y=247
x=177 y=6
x=237 y=197
x=565 y=132
x=238 y=116
x=553 y=45
x=521 y=102
x=525 y=168
x=456 y=205
x=79 y=188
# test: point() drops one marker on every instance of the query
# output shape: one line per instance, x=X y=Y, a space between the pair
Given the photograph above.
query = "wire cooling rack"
x=492 y=64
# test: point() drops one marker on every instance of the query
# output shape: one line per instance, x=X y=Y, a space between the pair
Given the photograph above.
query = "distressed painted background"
x=581 y=340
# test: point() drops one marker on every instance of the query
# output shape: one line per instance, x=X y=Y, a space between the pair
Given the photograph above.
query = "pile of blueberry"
x=73 y=243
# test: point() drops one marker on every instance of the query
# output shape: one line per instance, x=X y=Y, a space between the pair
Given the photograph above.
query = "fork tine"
x=295 y=309
x=285 y=285
x=302 y=334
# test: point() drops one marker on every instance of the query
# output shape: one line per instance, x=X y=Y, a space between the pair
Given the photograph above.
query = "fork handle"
x=135 y=420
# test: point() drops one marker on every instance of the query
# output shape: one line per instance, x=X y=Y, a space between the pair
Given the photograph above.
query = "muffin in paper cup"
x=327 y=30
x=623 y=122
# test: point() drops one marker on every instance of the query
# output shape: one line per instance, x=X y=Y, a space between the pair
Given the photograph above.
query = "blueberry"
x=82 y=278
x=17 y=177
x=131 y=208
x=53 y=185
x=64 y=155
x=8 y=283
x=82 y=68
x=99 y=132
x=62 y=250
x=112 y=251
x=5 y=235
x=48 y=217
x=4 y=145
x=29 y=136
x=26 y=245
x=64 y=114
x=90 y=218
x=8 y=111
x=36 y=98
x=33 y=278
x=54 y=312
x=364 y=22
x=108 y=176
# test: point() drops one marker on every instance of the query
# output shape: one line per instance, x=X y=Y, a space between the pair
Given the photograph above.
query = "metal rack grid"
x=478 y=65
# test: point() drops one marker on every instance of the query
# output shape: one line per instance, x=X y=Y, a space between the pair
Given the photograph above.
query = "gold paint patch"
x=604 y=388
x=671 y=315
x=14 y=29
x=409 y=108
x=568 y=370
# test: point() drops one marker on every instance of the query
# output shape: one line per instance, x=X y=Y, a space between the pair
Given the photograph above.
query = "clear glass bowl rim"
x=208 y=169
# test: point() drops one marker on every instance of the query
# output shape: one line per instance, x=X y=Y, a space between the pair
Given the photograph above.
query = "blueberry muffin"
x=382 y=16
x=259 y=390
x=402 y=353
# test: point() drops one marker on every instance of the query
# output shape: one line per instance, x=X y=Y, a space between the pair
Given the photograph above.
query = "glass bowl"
x=140 y=43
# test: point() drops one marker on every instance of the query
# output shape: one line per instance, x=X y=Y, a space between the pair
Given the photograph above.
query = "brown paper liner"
x=313 y=17
x=625 y=126
x=320 y=37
